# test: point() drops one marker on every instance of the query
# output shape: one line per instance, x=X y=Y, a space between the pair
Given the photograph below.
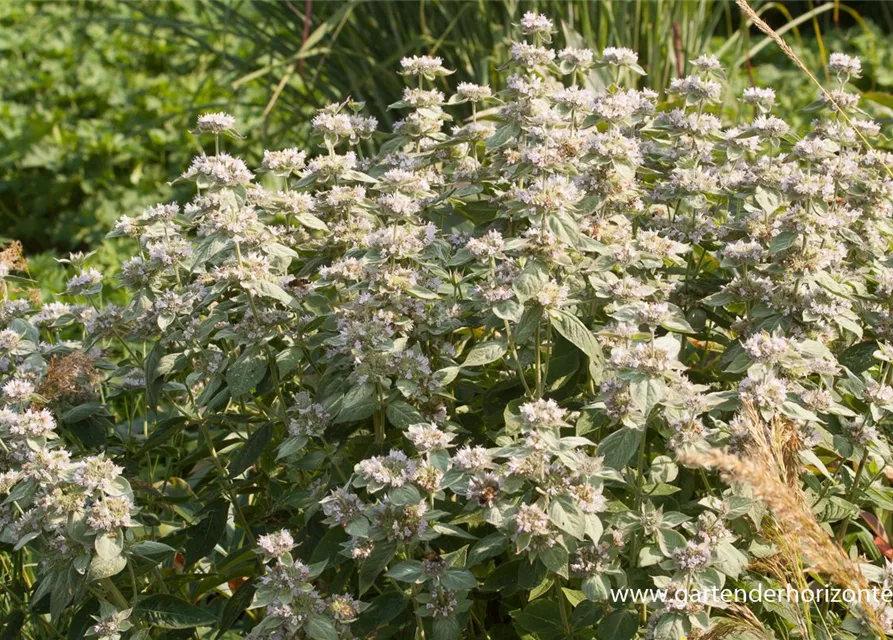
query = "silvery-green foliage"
x=440 y=390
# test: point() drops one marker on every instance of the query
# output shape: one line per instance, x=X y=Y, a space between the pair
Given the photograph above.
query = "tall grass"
x=307 y=53
x=351 y=44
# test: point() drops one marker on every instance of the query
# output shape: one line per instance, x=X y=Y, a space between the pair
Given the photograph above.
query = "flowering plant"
x=476 y=383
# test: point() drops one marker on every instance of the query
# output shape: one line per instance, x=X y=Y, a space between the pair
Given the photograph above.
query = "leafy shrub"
x=471 y=385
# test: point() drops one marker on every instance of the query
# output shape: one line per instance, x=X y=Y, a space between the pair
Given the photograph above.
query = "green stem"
x=222 y=472
x=114 y=594
x=514 y=349
x=539 y=362
x=562 y=605
x=852 y=492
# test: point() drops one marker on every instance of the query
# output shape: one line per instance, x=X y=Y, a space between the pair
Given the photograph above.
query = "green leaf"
x=407 y=571
x=619 y=625
x=154 y=382
x=487 y=547
x=271 y=290
x=503 y=135
x=859 y=357
x=618 y=448
x=205 y=535
x=459 y=580
x=246 y=373
x=730 y=560
x=207 y=248
x=529 y=282
x=169 y=612
x=152 y=550
x=573 y=596
x=669 y=541
x=287 y=360
x=235 y=606
x=564 y=514
x=596 y=588
x=592 y=526
x=663 y=469
x=445 y=628
x=381 y=611
x=251 y=450
x=381 y=555
x=650 y=556
x=291 y=446
x=504 y=576
x=670 y=627
x=574 y=331
x=677 y=321
x=80 y=624
x=555 y=558
x=84 y=411
x=101 y=568
x=485 y=353
x=403 y=415
x=782 y=241
x=510 y=310
x=442 y=377
x=108 y=547
x=63 y=588
x=881 y=98
x=407 y=494
x=586 y=614
x=647 y=393
x=452 y=530
x=311 y=221
x=359 y=403
x=542 y=617
x=319 y=627
x=421 y=292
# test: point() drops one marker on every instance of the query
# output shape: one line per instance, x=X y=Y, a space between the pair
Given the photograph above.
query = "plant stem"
x=114 y=594
x=514 y=349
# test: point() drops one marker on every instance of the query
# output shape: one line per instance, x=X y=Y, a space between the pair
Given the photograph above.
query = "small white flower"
x=427 y=66
x=473 y=92
x=552 y=295
x=276 y=545
x=759 y=97
x=706 y=63
x=845 y=66
x=487 y=246
x=531 y=55
x=284 y=162
x=216 y=123
x=619 y=56
x=533 y=23
x=17 y=390
x=542 y=414
x=429 y=437
x=110 y=513
x=393 y=470
x=580 y=58
x=85 y=280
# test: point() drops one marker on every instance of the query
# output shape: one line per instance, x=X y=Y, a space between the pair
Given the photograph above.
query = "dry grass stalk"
x=740 y=623
x=761 y=24
x=771 y=468
x=71 y=376
x=796 y=524
x=12 y=257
